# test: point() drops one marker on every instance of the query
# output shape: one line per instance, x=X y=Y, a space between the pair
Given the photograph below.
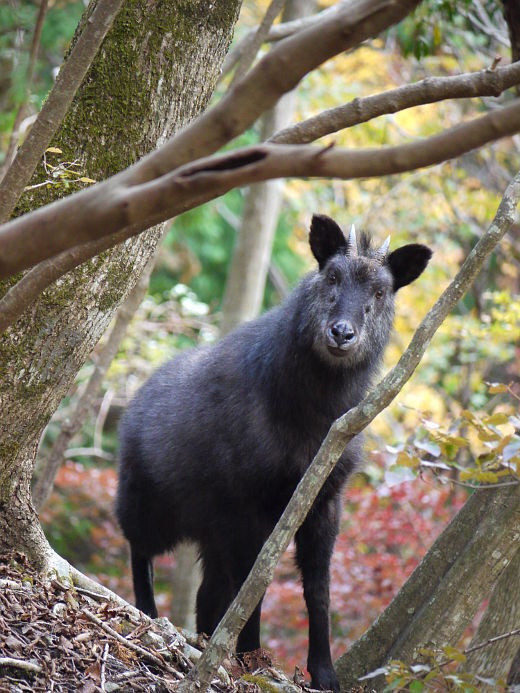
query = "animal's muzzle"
x=341 y=335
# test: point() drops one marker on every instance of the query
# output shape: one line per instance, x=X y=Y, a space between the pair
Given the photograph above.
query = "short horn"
x=382 y=252
x=352 y=250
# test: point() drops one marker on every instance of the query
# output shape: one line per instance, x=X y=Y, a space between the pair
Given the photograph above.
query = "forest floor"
x=54 y=637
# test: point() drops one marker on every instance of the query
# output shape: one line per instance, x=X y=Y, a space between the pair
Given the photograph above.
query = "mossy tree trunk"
x=155 y=72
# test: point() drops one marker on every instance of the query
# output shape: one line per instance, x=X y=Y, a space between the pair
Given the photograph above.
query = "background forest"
x=454 y=426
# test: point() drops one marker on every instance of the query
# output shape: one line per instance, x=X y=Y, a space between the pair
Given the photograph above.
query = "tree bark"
x=184 y=583
x=250 y=262
x=502 y=616
x=48 y=468
x=154 y=73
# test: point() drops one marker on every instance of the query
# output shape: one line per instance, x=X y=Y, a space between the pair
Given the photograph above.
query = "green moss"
x=262 y=682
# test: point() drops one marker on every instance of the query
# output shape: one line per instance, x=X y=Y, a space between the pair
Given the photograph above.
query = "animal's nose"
x=343 y=333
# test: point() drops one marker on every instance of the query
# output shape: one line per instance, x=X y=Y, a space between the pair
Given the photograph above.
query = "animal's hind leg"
x=213 y=598
x=142 y=574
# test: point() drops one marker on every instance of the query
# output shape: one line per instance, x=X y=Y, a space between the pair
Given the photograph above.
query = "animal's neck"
x=308 y=391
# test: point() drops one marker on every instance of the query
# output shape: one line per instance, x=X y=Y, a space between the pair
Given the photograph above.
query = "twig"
x=55 y=107
x=482 y=487
x=474 y=648
x=20 y=664
x=35 y=44
x=101 y=417
x=481 y=645
x=93 y=595
x=88 y=452
x=103 y=665
x=256 y=40
x=341 y=432
x=138 y=649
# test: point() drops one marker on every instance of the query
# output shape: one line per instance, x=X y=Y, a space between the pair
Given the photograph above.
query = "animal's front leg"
x=314 y=545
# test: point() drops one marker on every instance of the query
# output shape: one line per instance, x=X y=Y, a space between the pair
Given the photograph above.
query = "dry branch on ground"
x=57 y=637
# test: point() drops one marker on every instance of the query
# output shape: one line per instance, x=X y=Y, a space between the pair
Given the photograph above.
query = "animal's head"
x=354 y=290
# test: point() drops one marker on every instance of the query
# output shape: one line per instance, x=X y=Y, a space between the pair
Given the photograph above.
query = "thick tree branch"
x=55 y=107
x=429 y=90
x=278 y=72
x=84 y=217
x=22 y=294
x=341 y=432
x=484 y=83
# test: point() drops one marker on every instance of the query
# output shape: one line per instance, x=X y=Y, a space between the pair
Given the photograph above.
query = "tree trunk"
x=442 y=595
x=185 y=581
x=250 y=263
x=155 y=72
x=502 y=616
x=46 y=469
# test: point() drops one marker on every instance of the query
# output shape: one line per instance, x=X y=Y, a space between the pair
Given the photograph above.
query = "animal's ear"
x=326 y=238
x=407 y=263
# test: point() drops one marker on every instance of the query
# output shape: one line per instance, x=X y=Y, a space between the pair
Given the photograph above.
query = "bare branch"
x=20 y=114
x=341 y=432
x=25 y=665
x=276 y=33
x=84 y=216
x=258 y=37
x=429 y=90
x=55 y=107
x=482 y=83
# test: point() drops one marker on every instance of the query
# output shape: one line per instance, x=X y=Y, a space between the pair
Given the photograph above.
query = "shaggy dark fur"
x=214 y=444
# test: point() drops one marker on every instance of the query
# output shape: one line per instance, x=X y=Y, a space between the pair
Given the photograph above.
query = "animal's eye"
x=379 y=293
x=332 y=278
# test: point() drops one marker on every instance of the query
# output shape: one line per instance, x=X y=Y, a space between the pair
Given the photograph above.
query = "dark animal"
x=214 y=444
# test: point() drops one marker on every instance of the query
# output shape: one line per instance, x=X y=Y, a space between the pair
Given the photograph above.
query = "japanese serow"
x=214 y=444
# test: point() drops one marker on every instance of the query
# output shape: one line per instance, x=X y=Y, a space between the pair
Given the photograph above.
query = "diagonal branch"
x=429 y=90
x=85 y=216
x=275 y=33
x=258 y=37
x=341 y=432
x=55 y=107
